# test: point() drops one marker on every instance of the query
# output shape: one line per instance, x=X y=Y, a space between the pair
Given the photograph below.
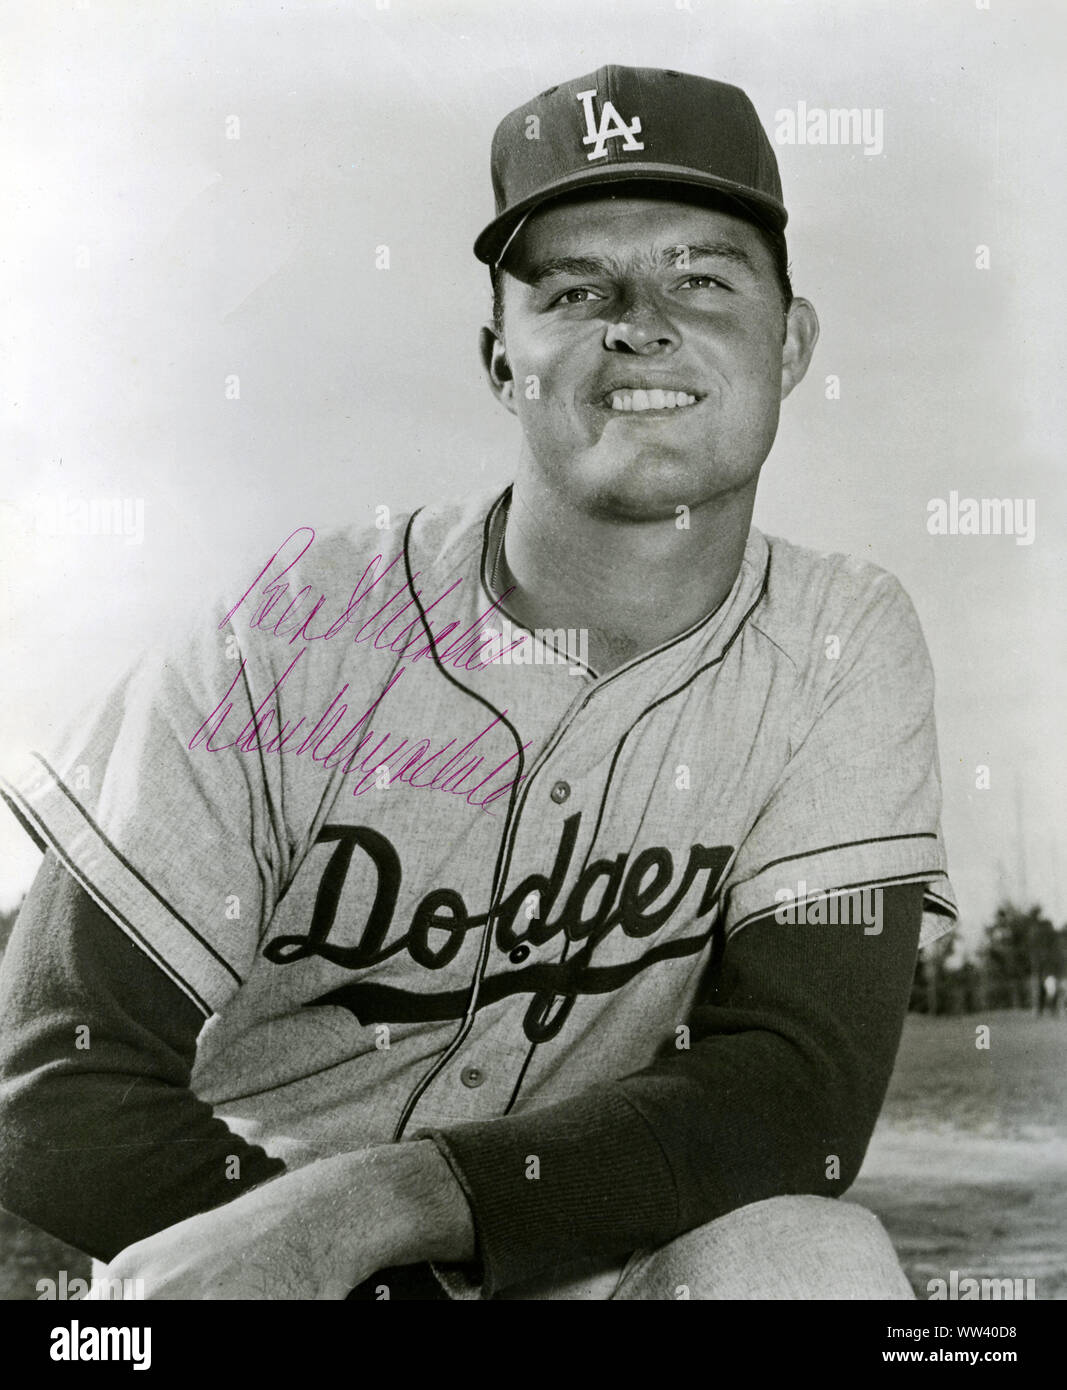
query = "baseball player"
x=390 y=942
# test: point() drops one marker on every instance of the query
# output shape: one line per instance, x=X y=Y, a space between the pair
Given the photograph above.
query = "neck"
x=631 y=585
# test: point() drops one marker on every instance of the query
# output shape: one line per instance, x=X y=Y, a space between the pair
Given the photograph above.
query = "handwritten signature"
x=417 y=760
x=408 y=648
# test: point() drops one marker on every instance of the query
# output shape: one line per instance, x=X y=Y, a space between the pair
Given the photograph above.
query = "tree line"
x=1020 y=963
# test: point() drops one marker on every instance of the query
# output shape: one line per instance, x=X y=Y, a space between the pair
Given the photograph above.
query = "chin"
x=650 y=488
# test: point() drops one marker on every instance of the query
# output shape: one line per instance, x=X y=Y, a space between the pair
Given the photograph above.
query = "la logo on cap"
x=611 y=127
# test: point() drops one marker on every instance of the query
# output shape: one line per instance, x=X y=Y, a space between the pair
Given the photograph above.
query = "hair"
x=772 y=238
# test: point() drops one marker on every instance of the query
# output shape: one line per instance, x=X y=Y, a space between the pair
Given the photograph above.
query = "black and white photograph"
x=532 y=752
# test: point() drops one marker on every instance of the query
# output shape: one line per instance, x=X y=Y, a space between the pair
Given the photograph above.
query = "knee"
x=840 y=1220
x=796 y=1247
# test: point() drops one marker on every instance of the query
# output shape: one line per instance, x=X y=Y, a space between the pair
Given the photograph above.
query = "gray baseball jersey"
x=417 y=866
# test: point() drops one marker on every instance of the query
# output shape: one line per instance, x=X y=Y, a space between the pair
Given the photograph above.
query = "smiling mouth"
x=638 y=401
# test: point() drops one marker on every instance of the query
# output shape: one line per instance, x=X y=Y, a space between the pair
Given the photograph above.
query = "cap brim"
x=757 y=206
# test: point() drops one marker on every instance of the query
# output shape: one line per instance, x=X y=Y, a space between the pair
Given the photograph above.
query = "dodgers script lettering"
x=631 y=897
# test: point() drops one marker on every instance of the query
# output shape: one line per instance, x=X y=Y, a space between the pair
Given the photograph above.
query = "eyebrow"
x=722 y=251
x=664 y=259
x=567 y=265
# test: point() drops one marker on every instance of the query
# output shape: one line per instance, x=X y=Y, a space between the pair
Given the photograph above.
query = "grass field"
x=967 y=1168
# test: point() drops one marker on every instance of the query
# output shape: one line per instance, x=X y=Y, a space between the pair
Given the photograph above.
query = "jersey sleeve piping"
x=41 y=798
x=843 y=844
x=939 y=912
x=46 y=842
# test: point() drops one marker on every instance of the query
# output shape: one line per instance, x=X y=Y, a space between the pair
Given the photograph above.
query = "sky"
x=196 y=195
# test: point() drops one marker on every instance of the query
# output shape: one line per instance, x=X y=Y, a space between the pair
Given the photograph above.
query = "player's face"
x=646 y=351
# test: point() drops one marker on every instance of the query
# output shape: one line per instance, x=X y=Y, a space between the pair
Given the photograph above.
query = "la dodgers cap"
x=643 y=124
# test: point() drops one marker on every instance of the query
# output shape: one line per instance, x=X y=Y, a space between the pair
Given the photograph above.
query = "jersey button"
x=472 y=1076
x=519 y=954
x=560 y=792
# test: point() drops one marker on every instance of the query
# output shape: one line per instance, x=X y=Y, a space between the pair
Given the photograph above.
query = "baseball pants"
x=783 y=1248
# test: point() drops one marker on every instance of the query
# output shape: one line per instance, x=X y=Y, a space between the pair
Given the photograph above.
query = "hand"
x=311 y=1234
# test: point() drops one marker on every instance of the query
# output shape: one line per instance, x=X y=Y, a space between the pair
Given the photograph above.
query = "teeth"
x=650 y=400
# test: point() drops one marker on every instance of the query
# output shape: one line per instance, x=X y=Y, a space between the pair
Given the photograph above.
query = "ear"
x=801 y=335
x=497 y=368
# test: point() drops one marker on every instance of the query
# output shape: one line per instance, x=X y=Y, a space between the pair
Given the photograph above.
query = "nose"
x=643 y=328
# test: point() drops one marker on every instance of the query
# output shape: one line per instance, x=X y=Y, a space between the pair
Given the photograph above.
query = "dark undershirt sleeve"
x=792 y=1044
x=101 y=1140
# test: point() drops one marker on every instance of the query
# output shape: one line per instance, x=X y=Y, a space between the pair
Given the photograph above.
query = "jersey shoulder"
x=814 y=597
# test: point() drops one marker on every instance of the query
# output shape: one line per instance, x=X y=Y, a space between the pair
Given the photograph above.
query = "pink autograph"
x=276 y=589
x=417 y=760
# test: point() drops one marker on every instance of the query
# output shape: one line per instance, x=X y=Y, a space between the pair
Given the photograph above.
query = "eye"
x=702 y=282
x=572 y=296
